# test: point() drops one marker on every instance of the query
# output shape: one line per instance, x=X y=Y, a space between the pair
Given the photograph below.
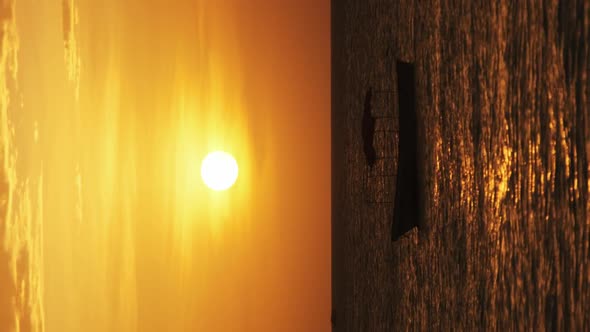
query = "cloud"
x=70 y=37
x=20 y=204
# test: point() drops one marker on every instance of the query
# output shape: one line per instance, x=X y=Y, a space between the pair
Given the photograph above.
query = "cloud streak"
x=20 y=203
x=70 y=37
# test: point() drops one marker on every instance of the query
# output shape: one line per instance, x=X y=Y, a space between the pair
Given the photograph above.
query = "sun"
x=219 y=170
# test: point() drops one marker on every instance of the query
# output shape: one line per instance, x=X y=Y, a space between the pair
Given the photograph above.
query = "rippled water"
x=502 y=102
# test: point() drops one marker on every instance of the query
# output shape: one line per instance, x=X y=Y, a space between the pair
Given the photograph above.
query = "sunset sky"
x=107 y=109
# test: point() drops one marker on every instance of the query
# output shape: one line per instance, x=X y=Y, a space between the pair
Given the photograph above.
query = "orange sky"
x=107 y=108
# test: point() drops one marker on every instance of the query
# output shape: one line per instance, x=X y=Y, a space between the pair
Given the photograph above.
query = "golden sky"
x=106 y=111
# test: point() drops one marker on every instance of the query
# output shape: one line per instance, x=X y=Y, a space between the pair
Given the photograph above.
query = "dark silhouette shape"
x=406 y=213
x=368 y=130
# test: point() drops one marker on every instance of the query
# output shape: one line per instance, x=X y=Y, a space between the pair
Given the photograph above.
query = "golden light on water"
x=219 y=170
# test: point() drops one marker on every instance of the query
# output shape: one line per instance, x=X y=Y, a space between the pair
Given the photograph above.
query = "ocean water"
x=502 y=102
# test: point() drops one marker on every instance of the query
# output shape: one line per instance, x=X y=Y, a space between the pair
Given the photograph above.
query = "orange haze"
x=107 y=108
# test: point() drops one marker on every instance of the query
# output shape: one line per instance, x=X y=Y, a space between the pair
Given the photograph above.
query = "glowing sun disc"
x=219 y=170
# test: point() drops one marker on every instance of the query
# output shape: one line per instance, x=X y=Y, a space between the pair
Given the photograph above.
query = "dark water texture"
x=504 y=130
